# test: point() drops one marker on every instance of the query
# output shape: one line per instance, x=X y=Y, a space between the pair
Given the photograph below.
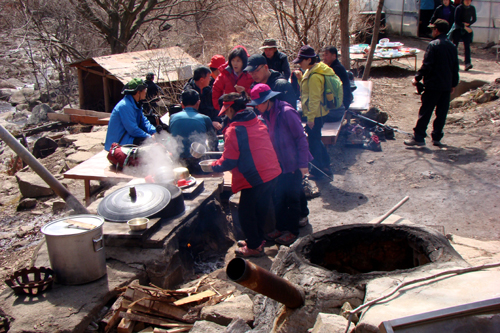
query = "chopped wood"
x=134 y=293
x=82 y=225
x=151 y=320
x=199 y=283
x=147 y=330
x=164 y=308
x=126 y=325
x=195 y=298
x=75 y=118
x=65 y=118
x=112 y=317
x=175 y=330
x=83 y=112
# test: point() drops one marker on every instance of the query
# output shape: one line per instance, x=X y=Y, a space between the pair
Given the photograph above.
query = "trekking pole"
x=321 y=171
x=377 y=123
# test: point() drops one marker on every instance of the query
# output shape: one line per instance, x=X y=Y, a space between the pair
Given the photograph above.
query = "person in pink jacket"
x=232 y=77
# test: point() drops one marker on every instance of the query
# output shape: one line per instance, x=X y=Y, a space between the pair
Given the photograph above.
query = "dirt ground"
x=456 y=187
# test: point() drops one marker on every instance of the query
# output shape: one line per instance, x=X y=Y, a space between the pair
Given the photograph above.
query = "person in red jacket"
x=232 y=77
x=249 y=154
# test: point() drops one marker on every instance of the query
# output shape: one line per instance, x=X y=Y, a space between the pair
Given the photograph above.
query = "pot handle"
x=96 y=241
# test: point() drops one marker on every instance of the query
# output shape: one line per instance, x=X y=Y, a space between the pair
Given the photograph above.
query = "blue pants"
x=316 y=146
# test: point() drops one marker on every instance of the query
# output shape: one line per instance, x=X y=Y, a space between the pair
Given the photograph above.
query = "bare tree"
x=373 y=45
x=344 y=33
x=119 y=20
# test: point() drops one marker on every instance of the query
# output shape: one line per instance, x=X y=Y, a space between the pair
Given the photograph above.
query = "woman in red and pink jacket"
x=232 y=77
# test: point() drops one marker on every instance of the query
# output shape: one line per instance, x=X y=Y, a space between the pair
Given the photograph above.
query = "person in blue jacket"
x=127 y=124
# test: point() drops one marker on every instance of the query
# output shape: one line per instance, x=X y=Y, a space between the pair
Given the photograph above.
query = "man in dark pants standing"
x=440 y=72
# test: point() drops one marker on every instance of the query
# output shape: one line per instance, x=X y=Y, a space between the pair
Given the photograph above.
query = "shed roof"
x=168 y=64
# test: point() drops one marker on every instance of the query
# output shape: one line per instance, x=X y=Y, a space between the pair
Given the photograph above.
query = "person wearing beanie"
x=232 y=77
x=127 y=123
x=276 y=60
x=249 y=154
x=216 y=61
x=440 y=73
x=465 y=16
x=311 y=91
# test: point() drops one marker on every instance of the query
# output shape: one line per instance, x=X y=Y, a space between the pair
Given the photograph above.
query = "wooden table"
x=358 y=59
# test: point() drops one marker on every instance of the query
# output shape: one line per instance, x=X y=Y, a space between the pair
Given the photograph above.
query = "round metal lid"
x=65 y=226
x=141 y=200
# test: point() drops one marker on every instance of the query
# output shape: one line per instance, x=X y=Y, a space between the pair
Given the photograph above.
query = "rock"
x=13 y=83
x=331 y=323
x=465 y=86
x=44 y=147
x=39 y=114
x=343 y=312
x=6 y=93
x=483 y=98
x=17 y=116
x=23 y=107
x=454 y=117
x=32 y=186
x=223 y=313
x=7 y=235
x=458 y=102
x=23 y=96
x=202 y=326
x=26 y=203
x=5 y=84
x=58 y=205
x=79 y=157
x=13 y=129
x=238 y=325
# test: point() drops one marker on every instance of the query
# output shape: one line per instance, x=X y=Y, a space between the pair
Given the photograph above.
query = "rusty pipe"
x=54 y=184
x=264 y=282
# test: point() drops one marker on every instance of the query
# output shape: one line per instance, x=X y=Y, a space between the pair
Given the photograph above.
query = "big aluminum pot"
x=76 y=253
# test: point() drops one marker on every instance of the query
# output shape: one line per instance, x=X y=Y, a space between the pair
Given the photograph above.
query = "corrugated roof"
x=168 y=64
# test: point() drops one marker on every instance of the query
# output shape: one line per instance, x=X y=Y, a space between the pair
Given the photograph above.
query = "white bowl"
x=139 y=223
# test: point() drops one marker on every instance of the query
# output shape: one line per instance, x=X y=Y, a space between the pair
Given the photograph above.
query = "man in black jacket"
x=330 y=57
x=440 y=73
x=276 y=60
x=260 y=72
x=200 y=82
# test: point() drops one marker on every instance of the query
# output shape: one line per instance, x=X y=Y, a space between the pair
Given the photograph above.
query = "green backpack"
x=333 y=93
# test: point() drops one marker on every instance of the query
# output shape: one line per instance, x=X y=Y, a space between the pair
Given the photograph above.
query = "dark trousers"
x=432 y=99
x=466 y=39
x=252 y=211
x=316 y=146
x=304 y=211
x=287 y=203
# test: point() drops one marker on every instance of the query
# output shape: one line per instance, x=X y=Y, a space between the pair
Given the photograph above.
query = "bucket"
x=76 y=251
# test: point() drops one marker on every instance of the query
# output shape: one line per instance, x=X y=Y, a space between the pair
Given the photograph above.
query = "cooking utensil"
x=181 y=173
x=31 y=281
x=176 y=205
x=76 y=255
x=138 y=223
x=206 y=165
x=197 y=150
x=125 y=204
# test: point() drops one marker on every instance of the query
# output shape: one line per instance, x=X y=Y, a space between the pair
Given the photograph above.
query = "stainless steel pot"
x=76 y=248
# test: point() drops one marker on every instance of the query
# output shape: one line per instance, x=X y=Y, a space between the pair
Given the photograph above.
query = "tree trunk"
x=373 y=45
x=344 y=33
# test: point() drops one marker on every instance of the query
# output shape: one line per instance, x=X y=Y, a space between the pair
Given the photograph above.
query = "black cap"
x=255 y=61
x=305 y=52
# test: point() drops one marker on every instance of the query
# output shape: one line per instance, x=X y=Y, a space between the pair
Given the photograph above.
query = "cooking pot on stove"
x=176 y=205
x=141 y=200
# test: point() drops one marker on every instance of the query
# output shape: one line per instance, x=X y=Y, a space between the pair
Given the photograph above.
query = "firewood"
x=162 y=308
x=152 y=320
x=113 y=315
x=126 y=325
x=175 y=330
x=195 y=298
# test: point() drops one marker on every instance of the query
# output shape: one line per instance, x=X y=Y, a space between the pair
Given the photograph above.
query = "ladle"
x=198 y=150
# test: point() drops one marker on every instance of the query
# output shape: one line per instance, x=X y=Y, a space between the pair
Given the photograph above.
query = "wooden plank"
x=112 y=317
x=65 y=118
x=126 y=325
x=152 y=320
x=161 y=307
x=83 y=112
x=195 y=298
x=80 y=119
x=176 y=330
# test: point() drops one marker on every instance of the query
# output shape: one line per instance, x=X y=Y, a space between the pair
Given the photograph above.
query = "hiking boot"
x=467 y=67
x=246 y=252
x=273 y=235
x=286 y=238
x=413 y=142
x=303 y=221
x=437 y=144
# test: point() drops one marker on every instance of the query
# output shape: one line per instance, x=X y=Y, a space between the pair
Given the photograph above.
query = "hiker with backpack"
x=315 y=103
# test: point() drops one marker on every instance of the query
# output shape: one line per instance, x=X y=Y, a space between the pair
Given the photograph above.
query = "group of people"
x=251 y=101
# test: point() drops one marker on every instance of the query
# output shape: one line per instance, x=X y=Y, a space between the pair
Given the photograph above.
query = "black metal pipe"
x=54 y=184
x=264 y=282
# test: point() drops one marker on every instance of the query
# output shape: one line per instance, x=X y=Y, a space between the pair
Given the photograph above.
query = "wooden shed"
x=101 y=79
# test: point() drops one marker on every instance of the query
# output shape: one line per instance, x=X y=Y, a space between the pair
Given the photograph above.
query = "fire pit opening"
x=364 y=249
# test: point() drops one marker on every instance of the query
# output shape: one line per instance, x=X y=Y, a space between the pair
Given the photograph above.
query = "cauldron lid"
x=141 y=200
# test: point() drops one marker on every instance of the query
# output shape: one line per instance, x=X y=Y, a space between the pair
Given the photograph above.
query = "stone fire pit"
x=334 y=266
